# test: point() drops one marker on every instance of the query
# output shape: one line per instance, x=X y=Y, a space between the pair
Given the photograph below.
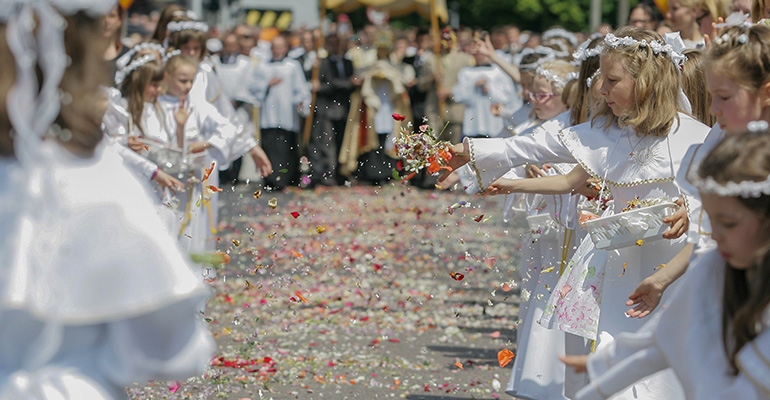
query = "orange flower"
x=504 y=356
x=208 y=172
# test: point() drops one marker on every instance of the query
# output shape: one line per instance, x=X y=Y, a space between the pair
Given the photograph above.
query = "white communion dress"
x=95 y=294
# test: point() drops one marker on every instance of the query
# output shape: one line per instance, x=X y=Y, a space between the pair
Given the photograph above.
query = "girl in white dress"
x=634 y=145
x=95 y=294
x=197 y=127
x=133 y=113
x=736 y=78
x=535 y=375
x=714 y=331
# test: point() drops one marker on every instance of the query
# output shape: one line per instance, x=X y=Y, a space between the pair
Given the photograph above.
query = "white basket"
x=172 y=160
x=627 y=228
x=542 y=226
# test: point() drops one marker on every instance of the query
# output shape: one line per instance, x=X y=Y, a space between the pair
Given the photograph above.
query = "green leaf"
x=395 y=174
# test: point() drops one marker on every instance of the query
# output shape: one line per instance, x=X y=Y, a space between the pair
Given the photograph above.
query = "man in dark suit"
x=335 y=84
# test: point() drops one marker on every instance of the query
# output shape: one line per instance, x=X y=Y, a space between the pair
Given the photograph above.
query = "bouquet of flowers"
x=422 y=148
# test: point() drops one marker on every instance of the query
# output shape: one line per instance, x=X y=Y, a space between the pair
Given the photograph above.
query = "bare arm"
x=647 y=295
x=486 y=48
x=557 y=184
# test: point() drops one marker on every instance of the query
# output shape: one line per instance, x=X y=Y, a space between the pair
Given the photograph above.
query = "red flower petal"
x=398 y=117
x=295 y=214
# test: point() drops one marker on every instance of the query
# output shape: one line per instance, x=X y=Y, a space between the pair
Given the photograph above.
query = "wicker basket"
x=628 y=228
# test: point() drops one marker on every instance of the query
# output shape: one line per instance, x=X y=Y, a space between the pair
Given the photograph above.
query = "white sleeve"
x=629 y=358
x=500 y=88
x=115 y=123
x=753 y=361
x=490 y=157
x=135 y=163
x=227 y=140
x=464 y=89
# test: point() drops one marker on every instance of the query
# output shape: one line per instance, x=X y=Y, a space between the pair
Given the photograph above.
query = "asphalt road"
x=358 y=293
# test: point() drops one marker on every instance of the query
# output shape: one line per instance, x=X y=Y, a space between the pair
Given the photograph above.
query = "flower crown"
x=125 y=59
x=547 y=53
x=583 y=52
x=170 y=55
x=123 y=73
x=555 y=79
x=657 y=47
x=178 y=26
x=561 y=33
x=743 y=189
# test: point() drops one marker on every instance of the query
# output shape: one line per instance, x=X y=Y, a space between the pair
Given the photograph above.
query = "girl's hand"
x=645 y=297
x=533 y=171
x=167 y=181
x=590 y=190
x=500 y=186
x=460 y=157
x=261 y=161
x=198 y=147
x=577 y=363
x=678 y=221
x=134 y=144
x=180 y=114
x=450 y=181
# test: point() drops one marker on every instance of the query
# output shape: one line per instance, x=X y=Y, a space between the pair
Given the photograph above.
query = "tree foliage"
x=536 y=15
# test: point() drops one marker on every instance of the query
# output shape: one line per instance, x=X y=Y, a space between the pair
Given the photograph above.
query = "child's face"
x=733 y=106
x=192 y=49
x=152 y=91
x=617 y=86
x=180 y=81
x=547 y=105
x=681 y=18
x=739 y=232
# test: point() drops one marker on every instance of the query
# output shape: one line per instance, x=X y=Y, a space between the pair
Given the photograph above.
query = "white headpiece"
x=657 y=47
x=547 y=53
x=178 y=26
x=729 y=189
x=35 y=35
x=122 y=73
x=572 y=76
x=170 y=55
x=583 y=52
x=555 y=80
x=559 y=32
x=736 y=19
x=126 y=58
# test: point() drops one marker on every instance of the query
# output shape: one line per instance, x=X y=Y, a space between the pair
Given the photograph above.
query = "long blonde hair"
x=694 y=86
x=656 y=86
x=134 y=86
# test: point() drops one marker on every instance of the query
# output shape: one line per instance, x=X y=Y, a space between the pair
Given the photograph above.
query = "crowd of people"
x=640 y=157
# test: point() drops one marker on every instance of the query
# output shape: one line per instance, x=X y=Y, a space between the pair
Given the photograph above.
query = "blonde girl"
x=634 y=144
x=737 y=84
x=714 y=331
